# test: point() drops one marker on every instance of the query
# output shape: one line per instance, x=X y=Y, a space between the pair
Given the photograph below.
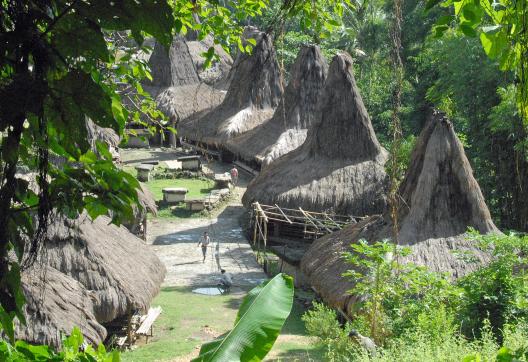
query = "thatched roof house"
x=254 y=92
x=339 y=167
x=179 y=103
x=89 y=273
x=288 y=127
x=440 y=200
x=147 y=204
x=121 y=271
x=176 y=84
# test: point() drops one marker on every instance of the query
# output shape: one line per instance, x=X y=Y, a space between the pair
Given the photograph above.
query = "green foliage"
x=403 y=156
x=73 y=350
x=393 y=294
x=500 y=27
x=321 y=322
x=498 y=292
x=57 y=70
x=259 y=321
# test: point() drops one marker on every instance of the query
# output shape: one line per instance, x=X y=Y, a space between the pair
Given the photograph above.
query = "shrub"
x=499 y=291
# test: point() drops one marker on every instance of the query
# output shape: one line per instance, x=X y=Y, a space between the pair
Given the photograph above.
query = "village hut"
x=176 y=85
x=339 y=168
x=121 y=273
x=87 y=274
x=55 y=304
x=440 y=199
x=288 y=127
x=254 y=92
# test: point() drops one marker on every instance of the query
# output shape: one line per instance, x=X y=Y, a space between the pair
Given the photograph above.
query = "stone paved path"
x=175 y=241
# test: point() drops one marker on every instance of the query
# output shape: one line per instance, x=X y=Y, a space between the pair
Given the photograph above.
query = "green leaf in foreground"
x=257 y=326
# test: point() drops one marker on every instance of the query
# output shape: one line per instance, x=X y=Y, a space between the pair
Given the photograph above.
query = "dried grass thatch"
x=176 y=84
x=217 y=73
x=288 y=127
x=105 y=135
x=440 y=200
x=147 y=200
x=339 y=167
x=117 y=267
x=179 y=103
x=55 y=304
x=88 y=273
x=174 y=66
x=254 y=92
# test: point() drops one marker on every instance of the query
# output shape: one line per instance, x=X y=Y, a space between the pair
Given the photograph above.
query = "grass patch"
x=197 y=187
x=188 y=320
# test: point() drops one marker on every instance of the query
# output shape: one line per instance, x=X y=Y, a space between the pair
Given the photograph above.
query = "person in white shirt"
x=205 y=240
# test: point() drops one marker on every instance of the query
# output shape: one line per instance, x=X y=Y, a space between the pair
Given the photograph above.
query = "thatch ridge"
x=339 y=170
x=440 y=200
x=254 y=92
x=287 y=129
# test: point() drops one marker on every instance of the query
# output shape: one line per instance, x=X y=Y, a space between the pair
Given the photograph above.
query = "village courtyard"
x=190 y=319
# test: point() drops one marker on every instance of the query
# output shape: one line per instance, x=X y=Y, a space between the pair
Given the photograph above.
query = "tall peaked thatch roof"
x=440 y=199
x=254 y=92
x=216 y=74
x=339 y=167
x=288 y=127
x=120 y=270
x=173 y=66
x=176 y=84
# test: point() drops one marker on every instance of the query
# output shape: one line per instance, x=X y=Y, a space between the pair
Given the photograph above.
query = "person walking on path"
x=234 y=175
x=204 y=242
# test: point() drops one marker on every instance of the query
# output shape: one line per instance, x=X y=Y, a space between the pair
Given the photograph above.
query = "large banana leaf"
x=257 y=326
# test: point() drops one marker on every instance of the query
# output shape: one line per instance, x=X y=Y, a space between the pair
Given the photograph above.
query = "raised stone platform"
x=174 y=195
x=190 y=162
x=222 y=180
x=143 y=172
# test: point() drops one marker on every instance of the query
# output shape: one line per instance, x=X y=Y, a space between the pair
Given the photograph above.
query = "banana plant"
x=258 y=324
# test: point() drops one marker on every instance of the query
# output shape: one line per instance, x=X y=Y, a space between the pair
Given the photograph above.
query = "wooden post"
x=265 y=261
x=258 y=245
x=129 y=327
x=255 y=230
x=145 y=228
